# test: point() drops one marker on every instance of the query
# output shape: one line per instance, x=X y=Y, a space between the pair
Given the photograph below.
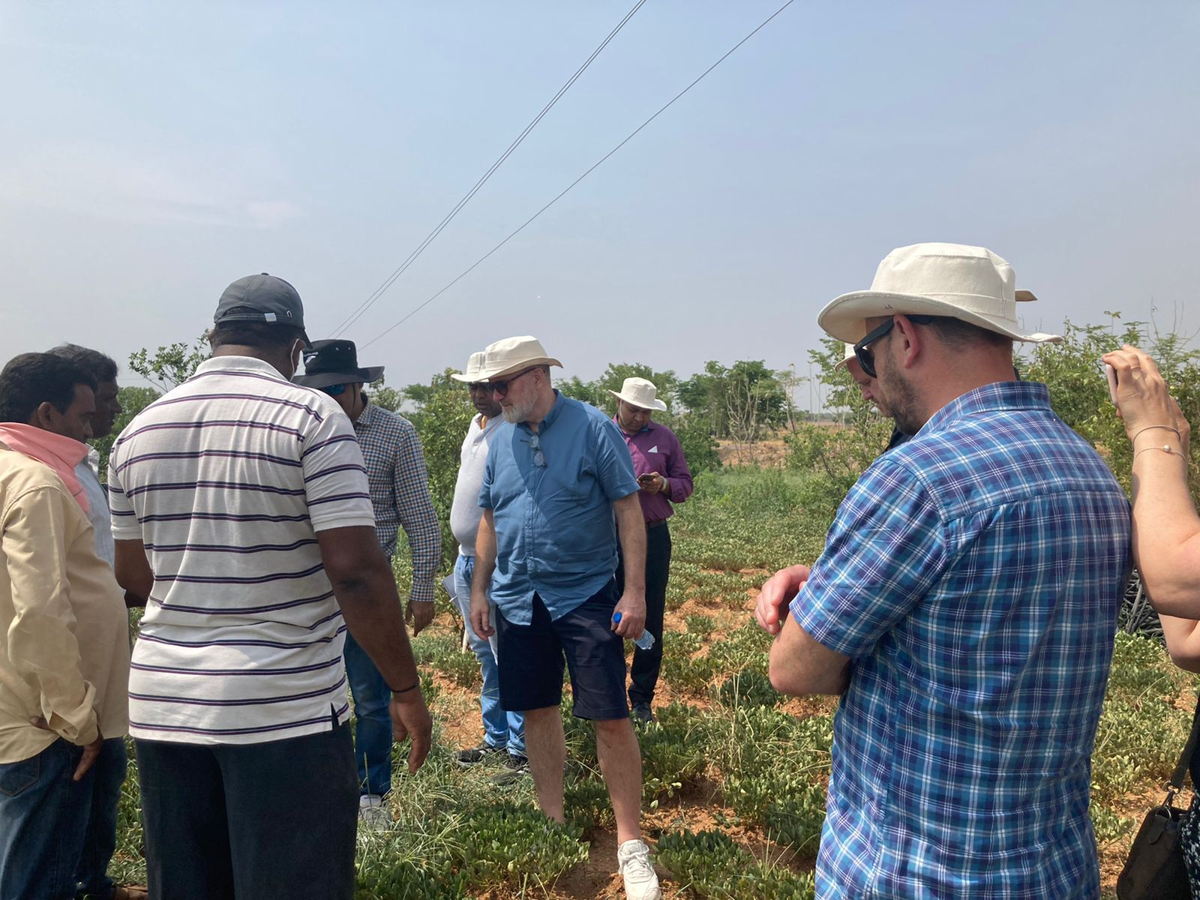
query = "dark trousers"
x=250 y=821
x=646 y=663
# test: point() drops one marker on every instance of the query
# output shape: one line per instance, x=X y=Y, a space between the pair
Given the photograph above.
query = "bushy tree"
x=1074 y=374
x=740 y=402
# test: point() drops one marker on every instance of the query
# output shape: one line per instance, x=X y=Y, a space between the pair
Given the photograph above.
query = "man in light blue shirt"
x=558 y=474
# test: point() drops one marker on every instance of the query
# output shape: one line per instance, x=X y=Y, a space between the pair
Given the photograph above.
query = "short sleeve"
x=335 y=477
x=125 y=525
x=489 y=469
x=614 y=465
x=886 y=547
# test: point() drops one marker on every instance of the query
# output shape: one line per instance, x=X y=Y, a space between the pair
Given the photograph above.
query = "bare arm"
x=485 y=564
x=366 y=592
x=1183 y=641
x=632 y=530
x=132 y=569
x=1166 y=529
x=799 y=664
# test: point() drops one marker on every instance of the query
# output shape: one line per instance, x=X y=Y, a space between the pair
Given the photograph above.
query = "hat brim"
x=655 y=404
x=845 y=317
x=488 y=375
x=352 y=376
x=466 y=377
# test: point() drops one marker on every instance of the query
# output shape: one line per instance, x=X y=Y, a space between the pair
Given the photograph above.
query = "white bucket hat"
x=640 y=393
x=512 y=354
x=971 y=284
x=473 y=369
x=847 y=355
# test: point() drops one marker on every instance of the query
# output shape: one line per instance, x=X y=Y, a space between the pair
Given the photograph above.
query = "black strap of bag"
x=1175 y=785
x=1155 y=869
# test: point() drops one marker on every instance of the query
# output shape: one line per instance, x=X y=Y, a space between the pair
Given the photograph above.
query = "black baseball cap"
x=261 y=298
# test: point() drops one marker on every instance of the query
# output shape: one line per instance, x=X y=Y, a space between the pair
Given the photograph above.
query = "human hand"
x=629 y=616
x=481 y=618
x=411 y=719
x=652 y=483
x=90 y=752
x=1143 y=399
x=419 y=614
x=776 y=593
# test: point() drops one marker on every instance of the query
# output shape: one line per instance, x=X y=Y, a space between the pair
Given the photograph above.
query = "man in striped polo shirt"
x=241 y=510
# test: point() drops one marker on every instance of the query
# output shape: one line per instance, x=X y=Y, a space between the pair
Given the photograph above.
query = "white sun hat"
x=473 y=369
x=640 y=393
x=847 y=355
x=971 y=284
x=512 y=354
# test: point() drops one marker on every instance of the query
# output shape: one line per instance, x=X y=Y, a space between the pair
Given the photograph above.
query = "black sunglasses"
x=501 y=387
x=335 y=390
x=866 y=356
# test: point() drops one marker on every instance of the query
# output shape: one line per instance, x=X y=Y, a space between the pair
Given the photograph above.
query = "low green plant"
x=711 y=865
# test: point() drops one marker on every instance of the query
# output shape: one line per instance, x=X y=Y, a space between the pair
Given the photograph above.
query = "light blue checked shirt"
x=400 y=492
x=973 y=575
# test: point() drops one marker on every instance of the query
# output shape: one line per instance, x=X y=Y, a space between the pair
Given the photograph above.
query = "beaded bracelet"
x=1165 y=448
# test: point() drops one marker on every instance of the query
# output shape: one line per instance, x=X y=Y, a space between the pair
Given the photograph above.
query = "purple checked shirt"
x=656 y=449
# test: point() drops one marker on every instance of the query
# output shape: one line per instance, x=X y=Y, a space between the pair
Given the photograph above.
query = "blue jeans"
x=52 y=827
x=500 y=728
x=372 y=722
x=100 y=841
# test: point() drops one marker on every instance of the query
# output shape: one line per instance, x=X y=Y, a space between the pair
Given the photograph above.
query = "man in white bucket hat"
x=558 y=479
x=664 y=478
x=503 y=732
x=964 y=606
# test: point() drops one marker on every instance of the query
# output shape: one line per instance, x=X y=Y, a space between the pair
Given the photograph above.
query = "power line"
x=588 y=172
x=429 y=238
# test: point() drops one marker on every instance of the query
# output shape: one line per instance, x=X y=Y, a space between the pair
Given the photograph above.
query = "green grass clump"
x=711 y=865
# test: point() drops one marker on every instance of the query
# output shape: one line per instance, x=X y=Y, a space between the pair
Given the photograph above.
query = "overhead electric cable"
x=586 y=173
x=429 y=238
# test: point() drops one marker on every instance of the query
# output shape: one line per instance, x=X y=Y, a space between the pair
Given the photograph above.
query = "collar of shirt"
x=368 y=416
x=997 y=395
x=554 y=413
x=650 y=426
x=239 y=363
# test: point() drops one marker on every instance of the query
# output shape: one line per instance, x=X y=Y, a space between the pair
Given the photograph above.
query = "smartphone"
x=646 y=479
x=1111 y=374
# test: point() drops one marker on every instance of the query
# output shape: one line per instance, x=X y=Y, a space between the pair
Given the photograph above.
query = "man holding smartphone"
x=663 y=478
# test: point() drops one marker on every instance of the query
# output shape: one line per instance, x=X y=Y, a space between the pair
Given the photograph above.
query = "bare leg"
x=621 y=765
x=546 y=748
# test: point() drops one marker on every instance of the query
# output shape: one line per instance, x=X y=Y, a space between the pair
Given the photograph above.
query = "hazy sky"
x=150 y=153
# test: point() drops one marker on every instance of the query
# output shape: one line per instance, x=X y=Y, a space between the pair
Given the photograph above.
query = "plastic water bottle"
x=645 y=640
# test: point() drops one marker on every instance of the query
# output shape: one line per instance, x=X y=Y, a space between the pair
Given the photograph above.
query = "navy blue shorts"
x=530 y=659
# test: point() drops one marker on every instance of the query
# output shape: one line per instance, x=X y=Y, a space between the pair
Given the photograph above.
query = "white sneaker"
x=372 y=813
x=633 y=862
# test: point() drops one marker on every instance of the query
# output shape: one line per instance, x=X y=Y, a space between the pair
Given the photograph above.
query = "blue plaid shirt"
x=973 y=575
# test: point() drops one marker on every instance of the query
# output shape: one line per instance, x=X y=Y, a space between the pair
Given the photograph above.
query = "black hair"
x=262 y=335
x=31 y=379
x=95 y=363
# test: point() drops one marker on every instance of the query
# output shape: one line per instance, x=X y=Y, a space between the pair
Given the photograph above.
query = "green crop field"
x=734 y=773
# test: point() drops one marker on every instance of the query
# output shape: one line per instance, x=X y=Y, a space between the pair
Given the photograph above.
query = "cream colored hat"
x=971 y=284
x=513 y=354
x=640 y=393
x=473 y=369
x=848 y=354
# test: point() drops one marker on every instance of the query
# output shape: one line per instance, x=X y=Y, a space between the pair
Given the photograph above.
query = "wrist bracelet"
x=1149 y=427
x=1165 y=448
x=411 y=687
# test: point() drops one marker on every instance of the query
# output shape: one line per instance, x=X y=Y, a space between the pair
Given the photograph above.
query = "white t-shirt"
x=226 y=480
x=465 y=511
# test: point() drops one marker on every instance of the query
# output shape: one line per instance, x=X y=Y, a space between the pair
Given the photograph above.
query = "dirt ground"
x=697 y=807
